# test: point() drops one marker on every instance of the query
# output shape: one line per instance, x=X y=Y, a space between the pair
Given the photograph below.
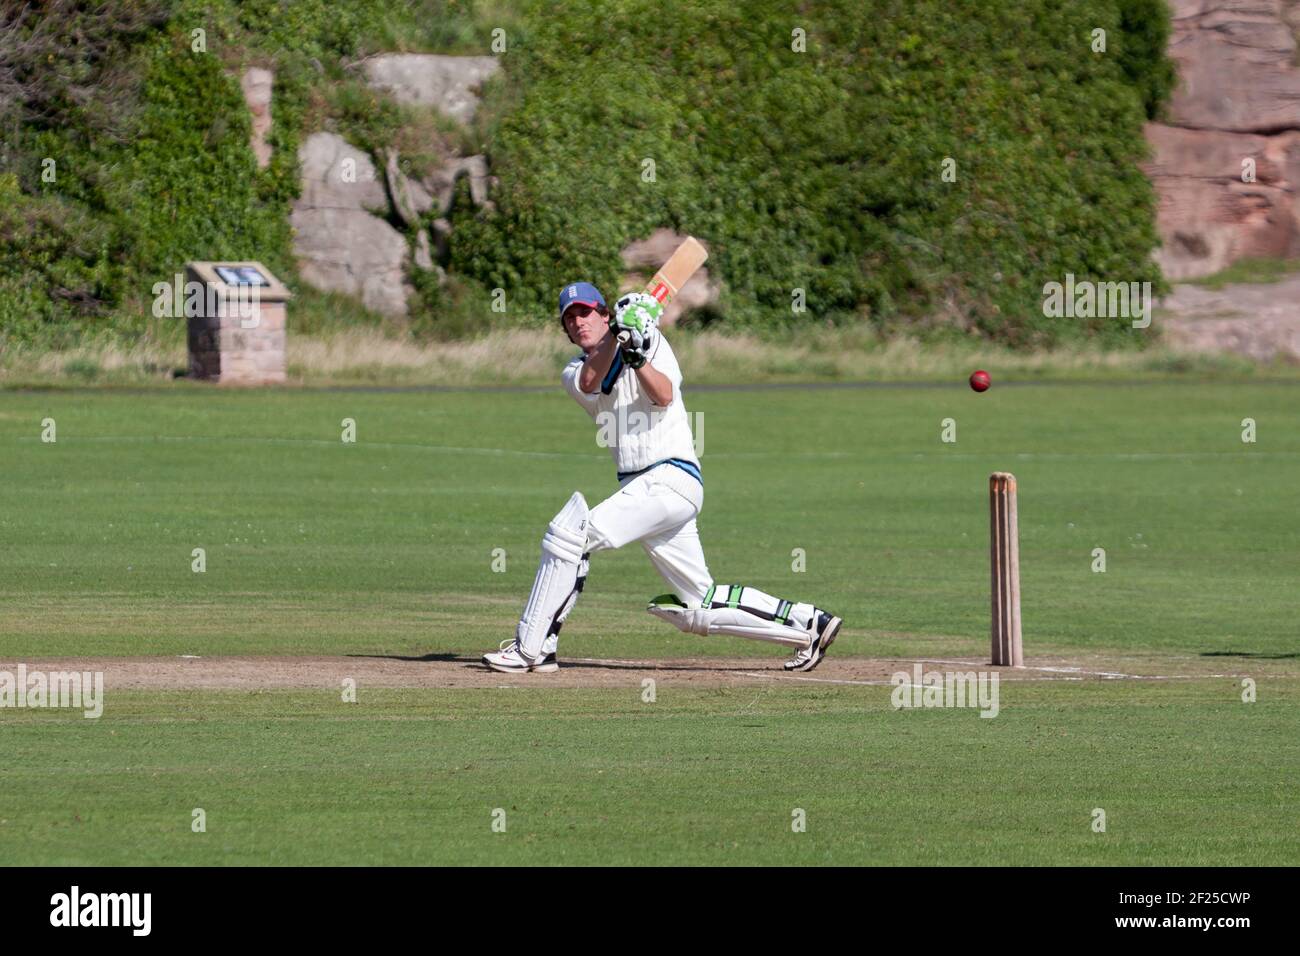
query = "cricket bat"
x=674 y=273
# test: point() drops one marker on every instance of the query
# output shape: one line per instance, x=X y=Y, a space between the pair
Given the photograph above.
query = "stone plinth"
x=238 y=335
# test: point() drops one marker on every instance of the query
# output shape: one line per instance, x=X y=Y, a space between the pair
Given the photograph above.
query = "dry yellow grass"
x=364 y=356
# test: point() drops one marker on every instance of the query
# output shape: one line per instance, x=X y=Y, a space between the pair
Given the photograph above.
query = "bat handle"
x=624 y=337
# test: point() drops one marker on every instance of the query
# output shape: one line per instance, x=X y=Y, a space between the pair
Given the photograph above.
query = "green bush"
x=1144 y=36
x=821 y=170
x=817 y=170
x=56 y=273
x=171 y=178
x=150 y=141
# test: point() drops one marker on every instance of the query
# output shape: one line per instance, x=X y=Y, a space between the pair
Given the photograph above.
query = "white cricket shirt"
x=637 y=432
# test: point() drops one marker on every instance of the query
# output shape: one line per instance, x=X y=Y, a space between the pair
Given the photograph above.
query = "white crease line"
x=886 y=683
x=1109 y=675
x=1001 y=678
x=1029 y=667
x=1003 y=674
x=1080 y=670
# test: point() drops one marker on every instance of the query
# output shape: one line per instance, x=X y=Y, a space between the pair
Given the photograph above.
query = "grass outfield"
x=1186 y=773
x=385 y=547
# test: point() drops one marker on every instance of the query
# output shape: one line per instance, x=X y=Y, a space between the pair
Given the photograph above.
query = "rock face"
x=409 y=199
x=1261 y=322
x=1236 y=66
x=257 y=84
x=1238 y=99
x=645 y=256
x=344 y=222
x=341 y=245
x=425 y=79
x=442 y=182
x=1208 y=217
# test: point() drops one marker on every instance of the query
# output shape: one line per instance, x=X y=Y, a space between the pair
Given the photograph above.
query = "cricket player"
x=630 y=384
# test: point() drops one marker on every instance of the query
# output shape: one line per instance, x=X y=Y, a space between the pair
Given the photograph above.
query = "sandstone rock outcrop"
x=448 y=83
x=442 y=182
x=643 y=257
x=1237 y=99
x=344 y=222
x=409 y=198
x=341 y=244
x=256 y=84
x=1261 y=322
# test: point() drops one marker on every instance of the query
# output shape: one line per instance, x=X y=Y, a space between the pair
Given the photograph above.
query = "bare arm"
x=597 y=365
x=657 y=385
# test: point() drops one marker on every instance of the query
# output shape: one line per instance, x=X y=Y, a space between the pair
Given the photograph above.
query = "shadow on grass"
x=1252 y=654
x=423 y=659
x=572 y=663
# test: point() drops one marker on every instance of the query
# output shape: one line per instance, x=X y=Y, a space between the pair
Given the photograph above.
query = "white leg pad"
x=743 y=612
x=560 y=577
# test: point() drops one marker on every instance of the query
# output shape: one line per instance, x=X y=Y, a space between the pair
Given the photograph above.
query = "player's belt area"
x=689 y=467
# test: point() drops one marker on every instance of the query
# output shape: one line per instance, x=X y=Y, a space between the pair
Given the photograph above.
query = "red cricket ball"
x=979 y=380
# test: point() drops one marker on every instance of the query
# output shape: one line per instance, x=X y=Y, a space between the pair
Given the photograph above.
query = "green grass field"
x=385 y=547
x=1186 y=774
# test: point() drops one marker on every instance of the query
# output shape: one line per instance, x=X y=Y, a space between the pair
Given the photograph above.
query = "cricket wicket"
x=1004 y=557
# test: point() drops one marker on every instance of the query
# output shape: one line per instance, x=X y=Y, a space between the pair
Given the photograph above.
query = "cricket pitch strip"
x=451 y=671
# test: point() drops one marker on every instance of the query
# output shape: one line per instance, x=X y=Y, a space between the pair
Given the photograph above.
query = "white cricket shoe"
x=827 y=626
x=508 y=660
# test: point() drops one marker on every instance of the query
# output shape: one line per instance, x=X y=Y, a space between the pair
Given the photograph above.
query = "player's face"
x=585 y=325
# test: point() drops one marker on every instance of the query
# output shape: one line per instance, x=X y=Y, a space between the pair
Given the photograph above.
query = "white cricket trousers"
x=658 y=508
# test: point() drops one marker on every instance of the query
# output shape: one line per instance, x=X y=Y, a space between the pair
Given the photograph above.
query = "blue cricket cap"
x=580 y=292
